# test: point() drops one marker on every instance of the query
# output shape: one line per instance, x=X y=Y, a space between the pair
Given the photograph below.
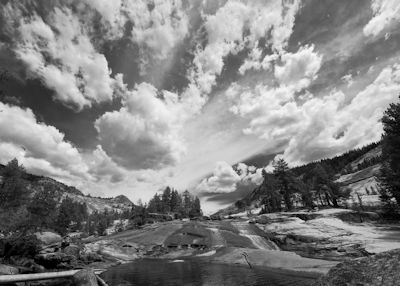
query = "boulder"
x=8 y=270
x=72 y=249
x=48 y=237
x=57 y=260
x=382 y=269
x=85 y=277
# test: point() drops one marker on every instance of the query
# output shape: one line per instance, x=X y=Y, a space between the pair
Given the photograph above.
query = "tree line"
x=282 y=189
x=22 y=212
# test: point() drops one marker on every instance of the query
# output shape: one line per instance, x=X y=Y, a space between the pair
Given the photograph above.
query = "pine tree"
x=42 y=208
x=285 y=180
x=166 y=200
x=13 y=191
x=64 y=217
x=390 y=170
x=176 y=201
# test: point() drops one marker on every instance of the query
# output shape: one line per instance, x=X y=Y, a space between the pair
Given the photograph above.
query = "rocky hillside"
x=356 y=170
x=34 y=183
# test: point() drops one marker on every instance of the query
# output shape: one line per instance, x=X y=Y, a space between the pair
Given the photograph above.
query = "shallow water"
x=196 y=272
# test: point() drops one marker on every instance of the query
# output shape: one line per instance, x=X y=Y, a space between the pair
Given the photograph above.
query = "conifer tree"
x=390 y=170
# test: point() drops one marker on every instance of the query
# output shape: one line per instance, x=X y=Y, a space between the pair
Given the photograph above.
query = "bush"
x=26 y=246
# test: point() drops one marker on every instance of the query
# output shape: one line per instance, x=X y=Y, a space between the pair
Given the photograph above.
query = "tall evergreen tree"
x=166 y=200
x=390 y=171
x=42 y=208
x=13 y=191
x=285 y=180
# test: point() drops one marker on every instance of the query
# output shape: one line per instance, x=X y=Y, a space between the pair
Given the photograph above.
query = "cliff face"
x=35 y=183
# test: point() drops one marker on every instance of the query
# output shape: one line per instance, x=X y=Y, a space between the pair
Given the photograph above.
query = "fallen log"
x=4 y=279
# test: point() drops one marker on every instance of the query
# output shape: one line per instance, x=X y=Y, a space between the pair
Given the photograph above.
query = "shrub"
x=27 y=246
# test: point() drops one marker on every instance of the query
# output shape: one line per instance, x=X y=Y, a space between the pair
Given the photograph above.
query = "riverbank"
x=298 y=241
x=302 y=242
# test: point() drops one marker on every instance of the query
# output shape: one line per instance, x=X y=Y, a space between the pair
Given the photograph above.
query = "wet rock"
x=8 y=270
x=379 y=270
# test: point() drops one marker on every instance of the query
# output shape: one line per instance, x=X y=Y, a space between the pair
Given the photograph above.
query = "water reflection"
x=193 y=272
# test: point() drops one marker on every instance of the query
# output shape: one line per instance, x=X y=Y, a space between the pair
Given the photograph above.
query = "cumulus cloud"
x=238 y=25
x=144 y=133
x=60 y=42
x=386 y=13
x=320 y=126
x=224 y=180
x=103 y=167
x=156 y=27
x=227 y=179
x=159 y=28
x=249 y=174
x=58 y=50
x=298 y=69
x=41 y=148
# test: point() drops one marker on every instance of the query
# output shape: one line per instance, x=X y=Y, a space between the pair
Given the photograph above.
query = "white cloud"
x=104 y=168
x=144 y=133
x=224 y=180
x=41 y=148
x=59 y=51
x=60 y=44
x=348 y=79
x=319 y=127
x=249 y=174
x=238 y=25
x=274 y=108
x=298 y=69
x=386 y=12
x=159 y=29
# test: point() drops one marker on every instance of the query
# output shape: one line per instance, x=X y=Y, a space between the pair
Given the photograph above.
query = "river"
x=152 y=272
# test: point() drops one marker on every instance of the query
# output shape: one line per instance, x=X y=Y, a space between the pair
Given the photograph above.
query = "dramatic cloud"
x=144 y=132
x=41 y=148
x=318 y=127
x=240 y=25
x=299 y=68
x=60 y=46
x=102 y=166
x=58 y=51
x=227 y=179
x=386 y=13
x=192 y=82
x=224 y=180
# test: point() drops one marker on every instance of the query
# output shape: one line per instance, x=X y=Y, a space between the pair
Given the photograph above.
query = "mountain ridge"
x=119 y=203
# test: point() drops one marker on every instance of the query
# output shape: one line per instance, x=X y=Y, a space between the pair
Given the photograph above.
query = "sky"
x=127 y=97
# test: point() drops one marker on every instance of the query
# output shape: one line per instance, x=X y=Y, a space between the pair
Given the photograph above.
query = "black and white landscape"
x=239 y=142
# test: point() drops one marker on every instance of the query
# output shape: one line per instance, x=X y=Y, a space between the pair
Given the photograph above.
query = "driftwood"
x=5 y=279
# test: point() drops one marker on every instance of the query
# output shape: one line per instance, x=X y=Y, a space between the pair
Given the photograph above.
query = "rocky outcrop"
x=324 y=235
x=47 y=237
x=379 y=270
